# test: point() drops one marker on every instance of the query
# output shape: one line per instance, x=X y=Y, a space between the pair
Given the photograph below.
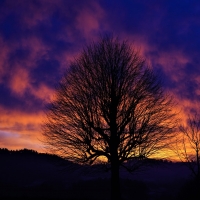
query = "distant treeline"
x=27 y=152
x=24 y=151
x=5 y=151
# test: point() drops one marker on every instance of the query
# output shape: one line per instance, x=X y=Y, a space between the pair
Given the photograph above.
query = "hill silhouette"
x=27 y=174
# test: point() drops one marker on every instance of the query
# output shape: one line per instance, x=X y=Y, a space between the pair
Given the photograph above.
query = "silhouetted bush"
x=4 y=151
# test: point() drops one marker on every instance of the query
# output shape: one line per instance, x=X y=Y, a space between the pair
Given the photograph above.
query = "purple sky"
x=38 y=39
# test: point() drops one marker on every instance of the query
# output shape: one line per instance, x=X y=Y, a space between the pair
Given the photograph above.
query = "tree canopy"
x=109 y=104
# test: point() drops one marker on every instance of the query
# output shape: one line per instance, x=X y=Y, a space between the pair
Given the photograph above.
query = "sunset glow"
x=38 y=40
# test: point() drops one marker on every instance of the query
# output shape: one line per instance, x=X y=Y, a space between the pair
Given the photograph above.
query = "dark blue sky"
x=39 y=38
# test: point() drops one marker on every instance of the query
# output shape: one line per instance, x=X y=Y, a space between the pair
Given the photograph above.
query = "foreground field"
x=26 y=174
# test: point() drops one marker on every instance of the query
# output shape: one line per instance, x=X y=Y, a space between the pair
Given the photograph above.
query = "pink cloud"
x=4 y=50
x=89 y=19
x=43 y=92
x=19 y=81
x=173 y=63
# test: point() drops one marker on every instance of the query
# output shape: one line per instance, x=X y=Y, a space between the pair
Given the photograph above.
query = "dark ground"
x=26 y=174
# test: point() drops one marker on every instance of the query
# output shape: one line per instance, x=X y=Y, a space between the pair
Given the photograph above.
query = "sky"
x=39 y=39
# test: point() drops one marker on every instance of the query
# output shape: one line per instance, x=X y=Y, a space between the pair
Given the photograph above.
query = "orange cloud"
x=20 y=129
x=20 y=82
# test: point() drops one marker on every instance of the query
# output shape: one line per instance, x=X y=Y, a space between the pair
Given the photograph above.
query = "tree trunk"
x=115 y=180
x=198 y=165
x=114 y=142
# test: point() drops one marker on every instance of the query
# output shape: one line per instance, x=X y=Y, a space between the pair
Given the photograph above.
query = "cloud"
x=88 y=20
x=44 y=93
x=20 y=129
x=12 y=140
x=39 y=39
x=20 y=81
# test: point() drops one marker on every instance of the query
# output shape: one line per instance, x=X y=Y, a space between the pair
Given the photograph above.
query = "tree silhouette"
x=188 y=148
x=109 y=107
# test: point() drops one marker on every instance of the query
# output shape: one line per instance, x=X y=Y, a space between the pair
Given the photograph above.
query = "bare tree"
x=188 y=148
x=111 y=107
